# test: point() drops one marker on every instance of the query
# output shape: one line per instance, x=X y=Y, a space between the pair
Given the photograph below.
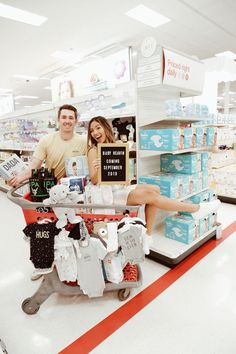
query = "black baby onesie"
x=41 y=243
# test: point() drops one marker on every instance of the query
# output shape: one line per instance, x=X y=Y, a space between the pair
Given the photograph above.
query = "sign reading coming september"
x=114 y=168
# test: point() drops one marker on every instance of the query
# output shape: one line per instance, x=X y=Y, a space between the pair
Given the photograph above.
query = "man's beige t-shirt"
x=53 y=149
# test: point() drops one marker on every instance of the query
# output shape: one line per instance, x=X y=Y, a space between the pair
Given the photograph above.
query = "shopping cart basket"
x=51 y=283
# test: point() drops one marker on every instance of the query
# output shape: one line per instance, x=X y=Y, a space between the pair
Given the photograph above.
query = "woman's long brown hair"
x=91 y=142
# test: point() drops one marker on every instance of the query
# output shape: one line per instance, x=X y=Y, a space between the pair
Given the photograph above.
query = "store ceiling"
x=201 y=28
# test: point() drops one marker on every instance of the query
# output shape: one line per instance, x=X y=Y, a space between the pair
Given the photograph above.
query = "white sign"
x=148 y=47
x=93 y=76
x=182 y=72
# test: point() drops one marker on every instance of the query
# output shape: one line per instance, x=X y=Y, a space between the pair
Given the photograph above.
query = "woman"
x=99 y=131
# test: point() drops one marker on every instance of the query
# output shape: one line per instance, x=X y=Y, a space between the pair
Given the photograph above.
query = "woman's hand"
x=96 y=163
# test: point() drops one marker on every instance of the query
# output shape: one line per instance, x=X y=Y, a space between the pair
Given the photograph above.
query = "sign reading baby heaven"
x=114 y=168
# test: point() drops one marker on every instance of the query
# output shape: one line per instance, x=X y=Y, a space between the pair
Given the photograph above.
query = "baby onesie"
x=42 y=245
x=90 y=275
x=65 y=258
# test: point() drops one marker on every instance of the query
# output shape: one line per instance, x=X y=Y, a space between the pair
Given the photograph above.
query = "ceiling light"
x=16 y=14
x=147 y=16
x=227 y=54
x=46 y=102
x=47 y=88
x=25 y=77
x=27 y=106
x=30 y=97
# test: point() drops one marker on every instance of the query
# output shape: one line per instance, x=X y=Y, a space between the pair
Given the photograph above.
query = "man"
x=55 y=147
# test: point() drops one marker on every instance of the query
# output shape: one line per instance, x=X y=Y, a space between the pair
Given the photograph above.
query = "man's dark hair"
x=69 y=107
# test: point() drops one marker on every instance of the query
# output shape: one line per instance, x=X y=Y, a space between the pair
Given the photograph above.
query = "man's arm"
x=15 y=181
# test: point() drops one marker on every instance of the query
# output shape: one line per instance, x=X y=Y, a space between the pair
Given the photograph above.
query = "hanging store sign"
x=182 y=72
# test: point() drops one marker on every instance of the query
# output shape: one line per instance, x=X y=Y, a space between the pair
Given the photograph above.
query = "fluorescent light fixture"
x=47 y=88
x=27 y=106
x=46 y=102
x=227 y=54
x=25 y=77
x=13 y=13
x=30 y=97
x=70 y=57
x=147 y=16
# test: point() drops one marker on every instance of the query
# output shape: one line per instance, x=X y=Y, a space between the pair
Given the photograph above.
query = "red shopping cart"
x=51 y=283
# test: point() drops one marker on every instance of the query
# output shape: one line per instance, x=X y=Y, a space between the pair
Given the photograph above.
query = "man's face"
x=67 y=121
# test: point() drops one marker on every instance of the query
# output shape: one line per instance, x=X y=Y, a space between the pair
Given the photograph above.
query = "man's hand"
x=14 y=182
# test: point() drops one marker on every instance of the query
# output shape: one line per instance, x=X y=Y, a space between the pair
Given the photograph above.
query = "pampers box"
x=182 y=163
x=160 y=139
x=210 y=133
x=181 y=228
x=205 y=161
x=199 y=137
x=188 y=138
x=169 y=185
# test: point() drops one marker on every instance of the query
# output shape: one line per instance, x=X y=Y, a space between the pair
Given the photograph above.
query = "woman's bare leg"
x=142 y=196
x=150 y=217
x=150 y=197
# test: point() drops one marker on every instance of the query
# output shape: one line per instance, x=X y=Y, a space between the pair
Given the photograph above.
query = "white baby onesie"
x=65 y=258
x=90 y=277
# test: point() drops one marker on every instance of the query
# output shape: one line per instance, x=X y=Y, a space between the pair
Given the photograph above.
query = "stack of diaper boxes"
x=182 y=175
x=183 y=228
x=171 y=139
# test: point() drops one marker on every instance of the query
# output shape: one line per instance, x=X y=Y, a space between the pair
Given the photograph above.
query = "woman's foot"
x=205 y=209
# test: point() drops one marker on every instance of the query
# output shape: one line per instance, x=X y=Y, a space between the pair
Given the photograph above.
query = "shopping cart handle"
x=27 y=204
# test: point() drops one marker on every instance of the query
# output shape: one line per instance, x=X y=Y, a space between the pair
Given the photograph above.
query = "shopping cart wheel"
x=123 y=294
x=29 y=307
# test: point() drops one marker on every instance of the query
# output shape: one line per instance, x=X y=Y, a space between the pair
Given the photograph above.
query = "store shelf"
x=171 y=252
x=191 y=195
x=150 y=153
x=16 y=149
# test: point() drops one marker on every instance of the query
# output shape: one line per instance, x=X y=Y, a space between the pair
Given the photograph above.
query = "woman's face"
x=97 y=132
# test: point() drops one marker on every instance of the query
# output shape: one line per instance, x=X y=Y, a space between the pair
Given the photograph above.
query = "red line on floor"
x=113 y=322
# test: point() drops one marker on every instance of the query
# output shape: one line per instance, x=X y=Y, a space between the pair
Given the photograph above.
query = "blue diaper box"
x=169 y=185
x=188 y=138
x=205 y=179
x=181 y=163
x=160 y=139
x=210 y=133
x=181 y=228
x=199 y=137
x=200 y=197
x=205 y=161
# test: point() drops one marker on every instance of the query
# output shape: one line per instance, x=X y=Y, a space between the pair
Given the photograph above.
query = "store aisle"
x=188 y=310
